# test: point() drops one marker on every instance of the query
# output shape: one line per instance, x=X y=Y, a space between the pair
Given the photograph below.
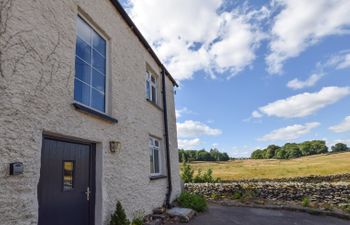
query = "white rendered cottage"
x=87 y=115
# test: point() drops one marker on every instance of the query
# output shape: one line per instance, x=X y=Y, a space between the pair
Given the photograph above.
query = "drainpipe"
x=166 y=133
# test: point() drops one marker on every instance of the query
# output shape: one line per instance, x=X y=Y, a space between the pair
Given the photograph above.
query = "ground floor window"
x=155 y=156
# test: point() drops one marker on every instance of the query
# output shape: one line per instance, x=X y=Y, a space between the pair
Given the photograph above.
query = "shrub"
x=206 y=177
x=193 y=201
x=237 y=195
x=215 y=196
x=187 y=173
x=346 y=208
x=305 y=202
x=138 y=218
x=137 y=221
x=119 y=216
x=248 y=195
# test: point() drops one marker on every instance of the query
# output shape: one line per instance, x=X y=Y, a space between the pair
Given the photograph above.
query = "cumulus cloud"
x=242 y=151
x=256 y=114
x=298 y=84
x=289 y=133
x=342 y=127
x=191 y=129
x=339 y=61
x=305 y=104
x=301 y=24
x=195 y=35
x=180 y=112
x=189 y=143
x=344 y=141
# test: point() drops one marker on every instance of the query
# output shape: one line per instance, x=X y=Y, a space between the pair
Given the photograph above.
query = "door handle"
x=87 y=193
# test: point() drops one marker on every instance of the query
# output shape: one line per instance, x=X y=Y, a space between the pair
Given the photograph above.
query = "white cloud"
x=344 y=141
x=298 y=84
x=305 y=104
x=184 y=110
x=339 y=61
x=301 y=24
x=196 y=35
x=342 y=127
x=190 y=129
x=188 y=143
x=256 y=114
x=290 y=132
x=242 y=151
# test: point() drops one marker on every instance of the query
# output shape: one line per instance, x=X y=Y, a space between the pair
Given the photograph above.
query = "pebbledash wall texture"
x=37 y=42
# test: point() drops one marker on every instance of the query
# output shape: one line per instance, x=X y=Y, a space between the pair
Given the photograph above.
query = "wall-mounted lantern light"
x=114 y=146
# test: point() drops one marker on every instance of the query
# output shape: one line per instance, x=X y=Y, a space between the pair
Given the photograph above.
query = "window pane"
x=83 y=30
x=98 y=81
x=99 y=43
x=151 y=160
x=98 y=100
x=68 y=172
x=148 y=89
x=83 y=50
x=98 y=62
x=154 y=94
x=82 y=70
x=156 y=160
x=81 y=92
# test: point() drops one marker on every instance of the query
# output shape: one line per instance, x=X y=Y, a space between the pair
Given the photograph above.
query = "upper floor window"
x=90 y=67
x=155 y=156
x=151 y=87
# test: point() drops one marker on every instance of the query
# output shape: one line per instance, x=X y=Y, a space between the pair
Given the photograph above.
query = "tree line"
x=296 y=150
x=202 y=155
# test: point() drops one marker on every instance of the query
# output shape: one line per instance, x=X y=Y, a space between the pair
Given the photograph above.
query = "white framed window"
x=151 y=87
x=155 y=156
x=90 y=67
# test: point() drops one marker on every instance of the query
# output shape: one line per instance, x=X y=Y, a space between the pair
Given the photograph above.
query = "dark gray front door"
x=65 y=191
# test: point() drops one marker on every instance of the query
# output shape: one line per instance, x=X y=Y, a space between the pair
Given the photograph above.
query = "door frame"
x=92 y=168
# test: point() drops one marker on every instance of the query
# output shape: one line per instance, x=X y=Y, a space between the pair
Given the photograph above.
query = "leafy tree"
x=119 y=216
x=306 y=148
x=281 y=154
x=202 y=155
x=270 y=151
x=225 y=157
x=257 y=154
x=340 y=147
x=292 y=150
x=319 y=146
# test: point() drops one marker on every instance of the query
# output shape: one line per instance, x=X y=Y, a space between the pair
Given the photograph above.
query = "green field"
x=324 y=164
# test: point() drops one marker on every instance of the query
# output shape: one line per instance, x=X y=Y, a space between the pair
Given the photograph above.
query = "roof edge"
x=141 y=38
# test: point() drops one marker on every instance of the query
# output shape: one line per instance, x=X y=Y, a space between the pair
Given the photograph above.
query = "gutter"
x=138 y=34
x=166 y=134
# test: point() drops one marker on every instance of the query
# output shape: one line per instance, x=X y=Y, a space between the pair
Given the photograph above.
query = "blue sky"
x=253 y=73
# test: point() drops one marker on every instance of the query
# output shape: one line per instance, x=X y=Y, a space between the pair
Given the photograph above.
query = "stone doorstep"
x=162 y=215
x=184 y=214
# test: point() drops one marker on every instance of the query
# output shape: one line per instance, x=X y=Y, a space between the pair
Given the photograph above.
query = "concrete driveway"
x=222 y=215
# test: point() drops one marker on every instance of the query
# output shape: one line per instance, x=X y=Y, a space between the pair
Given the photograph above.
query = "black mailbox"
x=16 y=168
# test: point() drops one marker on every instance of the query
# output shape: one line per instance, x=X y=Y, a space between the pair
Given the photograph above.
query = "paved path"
x=221 y=215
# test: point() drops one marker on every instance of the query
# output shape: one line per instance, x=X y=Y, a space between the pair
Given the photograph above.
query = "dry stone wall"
x=332 y=193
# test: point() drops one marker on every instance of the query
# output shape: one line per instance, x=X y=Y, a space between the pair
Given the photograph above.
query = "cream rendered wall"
x=36 y=98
